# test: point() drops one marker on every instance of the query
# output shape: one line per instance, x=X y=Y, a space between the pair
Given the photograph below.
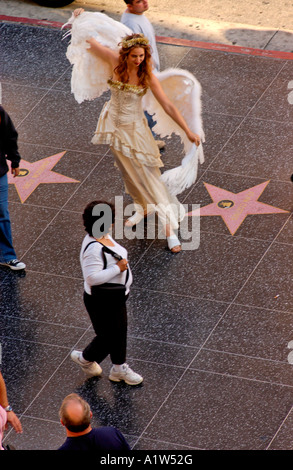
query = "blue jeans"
x=150 y=120
x=7 y=252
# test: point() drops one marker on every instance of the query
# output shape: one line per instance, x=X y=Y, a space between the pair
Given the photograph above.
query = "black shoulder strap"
x=104 y=257
x=110 y=252
x=88 y=245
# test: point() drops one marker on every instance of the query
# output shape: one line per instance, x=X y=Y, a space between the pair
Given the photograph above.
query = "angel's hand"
x=78 y=11
x=91 y=42
x=194 y=138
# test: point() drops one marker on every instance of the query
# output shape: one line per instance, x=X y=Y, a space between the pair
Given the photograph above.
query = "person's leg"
x=110 y=325
x=144 y=185
x=120 y=370
x=7 y=252
x=150 y=121
x=98 y=348
x=111 y=337
x=133 y=179
x=118 y=336
x=151 y=124
x=109 y=320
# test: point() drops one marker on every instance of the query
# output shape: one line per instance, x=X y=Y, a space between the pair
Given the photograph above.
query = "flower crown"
x=142 y=40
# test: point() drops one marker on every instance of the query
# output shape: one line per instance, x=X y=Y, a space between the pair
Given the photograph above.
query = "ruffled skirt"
x=138 y=158
x=133 y=139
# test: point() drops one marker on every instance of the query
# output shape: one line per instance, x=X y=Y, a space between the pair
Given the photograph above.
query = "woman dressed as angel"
x=122 y=125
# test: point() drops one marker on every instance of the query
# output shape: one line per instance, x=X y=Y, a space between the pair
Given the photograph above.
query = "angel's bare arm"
x=98 y=49
x=171 y=109
x=103 y=52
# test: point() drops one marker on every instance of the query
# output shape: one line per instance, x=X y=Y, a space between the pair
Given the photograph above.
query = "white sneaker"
x=89 y=368
x=125 y=373
x=14 y=264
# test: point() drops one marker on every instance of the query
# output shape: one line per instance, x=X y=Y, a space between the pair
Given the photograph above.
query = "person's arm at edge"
x=11 y=416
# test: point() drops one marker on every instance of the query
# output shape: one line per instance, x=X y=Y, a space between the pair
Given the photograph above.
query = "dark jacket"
x=105 y=438
x=8 y=142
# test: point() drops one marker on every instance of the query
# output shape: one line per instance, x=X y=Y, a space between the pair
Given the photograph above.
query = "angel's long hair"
x=145 y=68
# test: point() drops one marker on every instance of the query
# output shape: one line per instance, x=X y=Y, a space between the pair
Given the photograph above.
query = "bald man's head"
x=75 y=413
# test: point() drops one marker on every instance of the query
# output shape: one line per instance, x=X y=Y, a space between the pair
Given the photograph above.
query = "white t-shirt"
x=92 y=265
x=140 y=24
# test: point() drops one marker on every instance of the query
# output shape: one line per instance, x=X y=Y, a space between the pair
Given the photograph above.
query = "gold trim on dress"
x=127 y=87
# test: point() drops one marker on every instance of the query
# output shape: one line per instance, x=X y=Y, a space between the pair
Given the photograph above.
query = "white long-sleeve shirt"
x=92 y=265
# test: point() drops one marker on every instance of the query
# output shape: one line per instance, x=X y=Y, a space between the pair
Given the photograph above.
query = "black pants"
x=110 y=325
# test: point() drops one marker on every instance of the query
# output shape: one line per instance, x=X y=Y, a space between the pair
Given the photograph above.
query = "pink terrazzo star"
x=233 y=208
x=33 y=174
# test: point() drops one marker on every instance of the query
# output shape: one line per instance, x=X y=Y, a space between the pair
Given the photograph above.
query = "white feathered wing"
x=90 y=73
x=89 y=81
x=184 y=90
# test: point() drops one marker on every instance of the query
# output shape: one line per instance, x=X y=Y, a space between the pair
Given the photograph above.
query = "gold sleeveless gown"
x=123 y=125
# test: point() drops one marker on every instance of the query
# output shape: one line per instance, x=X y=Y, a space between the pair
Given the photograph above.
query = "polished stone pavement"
x=209 y=328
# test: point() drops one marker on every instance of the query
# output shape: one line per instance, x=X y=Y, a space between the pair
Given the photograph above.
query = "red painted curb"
x=16 y=19
x=225 y=48
x=172 y=41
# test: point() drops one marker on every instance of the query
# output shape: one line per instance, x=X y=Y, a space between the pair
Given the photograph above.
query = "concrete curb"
x=168 y=40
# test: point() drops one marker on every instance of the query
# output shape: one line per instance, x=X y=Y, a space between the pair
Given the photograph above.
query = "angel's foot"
x=160 y=144
x=134 y=219
x=174 y=244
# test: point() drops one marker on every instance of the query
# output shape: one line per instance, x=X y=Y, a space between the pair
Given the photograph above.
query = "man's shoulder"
x=131 y=20
x=110 y=437
x=101 y=438
x=105 y=431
